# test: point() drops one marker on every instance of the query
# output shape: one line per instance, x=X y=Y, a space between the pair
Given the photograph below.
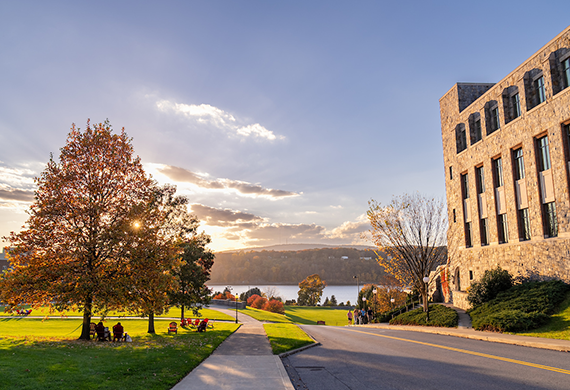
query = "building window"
x=539 y=90
x=470 y=275
x=518 y=165
x=498 y=172
x=566 y=72
x=484 y=231
x=454 y=216
x=543 y=154
x=550 y=221
x=465 y=186
x=502 y=228
x=450 y=173
x=460 y=138
x=492 y=118
x=475 y=128
x=468 y=243
x=520 y=189
x=480 y=179
x=516 y=104
x=524 y=225
x=495 y=121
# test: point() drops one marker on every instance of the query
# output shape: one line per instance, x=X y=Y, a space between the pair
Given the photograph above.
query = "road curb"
x=289 y=353
x=525 y=341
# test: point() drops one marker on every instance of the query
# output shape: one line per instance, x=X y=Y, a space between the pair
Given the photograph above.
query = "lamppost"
x=392 y=300
x=375 y=300
x=229 y=288
x=357 y=288
x=426 y=281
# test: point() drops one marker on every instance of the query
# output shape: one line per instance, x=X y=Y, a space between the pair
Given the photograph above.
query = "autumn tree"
x=163 y=230
x=410 y=233
x=77 y=239
x=311 y=290
x=192 y=275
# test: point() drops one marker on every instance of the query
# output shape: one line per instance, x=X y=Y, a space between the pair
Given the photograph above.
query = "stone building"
x=506 y=151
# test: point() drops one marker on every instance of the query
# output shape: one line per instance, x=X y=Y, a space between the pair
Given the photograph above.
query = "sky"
x=279 y=120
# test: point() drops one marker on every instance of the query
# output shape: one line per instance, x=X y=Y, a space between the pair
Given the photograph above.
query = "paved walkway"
x=243 y=361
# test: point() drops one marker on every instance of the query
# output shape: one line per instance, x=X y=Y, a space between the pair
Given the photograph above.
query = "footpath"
x=465 y=330
x=243 y=361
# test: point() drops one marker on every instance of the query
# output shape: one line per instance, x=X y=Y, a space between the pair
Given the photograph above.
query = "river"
x=287 y=292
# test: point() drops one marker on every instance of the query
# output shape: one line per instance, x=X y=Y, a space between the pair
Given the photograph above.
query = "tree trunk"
x=86 y=329
x=151 y=323
x=182 y=314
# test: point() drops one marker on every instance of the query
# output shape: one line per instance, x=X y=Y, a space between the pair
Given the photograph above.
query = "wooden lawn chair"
x=173 y=327
x=92 y=331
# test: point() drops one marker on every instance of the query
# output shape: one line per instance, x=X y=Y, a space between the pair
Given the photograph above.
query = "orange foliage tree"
x=79 y=246
x=411 y=233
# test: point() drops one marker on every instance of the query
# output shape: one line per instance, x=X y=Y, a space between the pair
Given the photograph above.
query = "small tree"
x=410 y=234
x=192 y=275
x=333 y=301
x=252 y=291
x=491 y=284
x=311 y=290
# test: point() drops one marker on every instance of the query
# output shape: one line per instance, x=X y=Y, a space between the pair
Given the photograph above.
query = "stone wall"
x=541 y=255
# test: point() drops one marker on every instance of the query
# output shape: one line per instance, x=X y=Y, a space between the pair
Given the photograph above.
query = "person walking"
x=356 y=316
x=349 y=314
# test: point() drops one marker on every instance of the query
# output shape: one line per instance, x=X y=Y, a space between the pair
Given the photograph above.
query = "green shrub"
x=523 y=307
x=439 y=315
x=492 y=283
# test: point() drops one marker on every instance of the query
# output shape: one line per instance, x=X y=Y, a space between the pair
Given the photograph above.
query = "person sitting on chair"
x=118 y=331
x=203 y=325
x=100 y=329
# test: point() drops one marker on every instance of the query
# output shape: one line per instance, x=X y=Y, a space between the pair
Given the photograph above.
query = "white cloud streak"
x=208 y=115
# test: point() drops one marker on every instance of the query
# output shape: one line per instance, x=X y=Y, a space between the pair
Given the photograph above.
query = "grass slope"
x=310 y=315
x=50 y=357
x=286 y=337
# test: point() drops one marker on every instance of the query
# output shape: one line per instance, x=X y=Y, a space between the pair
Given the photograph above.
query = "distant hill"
x=296 y=247
x=335 y=265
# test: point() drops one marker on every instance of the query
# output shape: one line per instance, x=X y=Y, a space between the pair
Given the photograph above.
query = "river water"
x=286 y=292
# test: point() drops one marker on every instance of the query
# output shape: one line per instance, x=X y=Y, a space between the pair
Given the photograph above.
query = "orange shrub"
x=252 y=299
x=274 y=306
x=259 y=303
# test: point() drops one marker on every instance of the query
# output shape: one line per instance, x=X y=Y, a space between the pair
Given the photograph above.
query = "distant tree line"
x=335 y=265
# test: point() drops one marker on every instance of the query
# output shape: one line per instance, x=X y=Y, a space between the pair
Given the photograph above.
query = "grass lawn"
x=558 y=327
x=262 y=315
x=286 y=337
x=172 y=313
x=310 y=315
x=50 y=357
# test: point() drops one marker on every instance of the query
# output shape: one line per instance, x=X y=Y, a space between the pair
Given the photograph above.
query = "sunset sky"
x=279 y=120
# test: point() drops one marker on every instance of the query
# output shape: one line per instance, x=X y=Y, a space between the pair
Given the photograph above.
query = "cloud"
x=207 y=115
x=350 y=230
x=223 y=217
x=186 y=176
x=11 y=194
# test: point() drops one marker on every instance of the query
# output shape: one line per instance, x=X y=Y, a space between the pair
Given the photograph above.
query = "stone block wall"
x=541 y=255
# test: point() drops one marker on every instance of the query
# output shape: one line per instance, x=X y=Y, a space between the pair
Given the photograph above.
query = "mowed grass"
x=262 y=315
x=172 y=313
x=310 y=315
x=51 y=357
x=286 y=337
x=558 y=327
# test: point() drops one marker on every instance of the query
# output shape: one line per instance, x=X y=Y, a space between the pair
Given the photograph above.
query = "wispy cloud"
x=13 y=194
x=206 y=114
x=223 y=217
x=350 y=229
x=185 y=176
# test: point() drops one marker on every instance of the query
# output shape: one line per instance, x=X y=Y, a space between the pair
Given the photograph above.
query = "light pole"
x=357 y=288
x=426 y=303
x=375 y=300
x=392 y=300
x=229 y=288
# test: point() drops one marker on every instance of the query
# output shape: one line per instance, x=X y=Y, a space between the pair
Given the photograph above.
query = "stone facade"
x=498 y=215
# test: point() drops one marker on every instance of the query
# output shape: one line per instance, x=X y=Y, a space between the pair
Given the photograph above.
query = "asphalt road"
x=358 y=358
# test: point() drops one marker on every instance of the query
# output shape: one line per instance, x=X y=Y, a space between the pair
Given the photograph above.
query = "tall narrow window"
x=550 y=222
x=516 y=104
x=450 y=173
x=501 y=203
x=475 y=127
x=566 y=72
x=539 y=90
x=460 y=138
x=466 y=209
x=495 y=121
x=521 y=193
x=482 y=202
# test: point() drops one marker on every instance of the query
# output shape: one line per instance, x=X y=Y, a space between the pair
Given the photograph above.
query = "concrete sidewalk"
x=243 y=361
x=465 y=330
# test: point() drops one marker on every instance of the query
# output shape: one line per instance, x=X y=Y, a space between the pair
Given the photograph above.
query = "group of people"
x=360 y=317
x=104 y=334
